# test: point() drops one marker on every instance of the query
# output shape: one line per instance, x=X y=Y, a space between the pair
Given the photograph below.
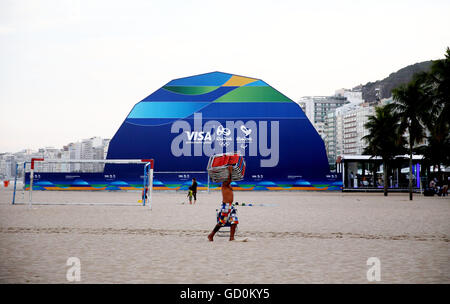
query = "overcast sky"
x=74 y=69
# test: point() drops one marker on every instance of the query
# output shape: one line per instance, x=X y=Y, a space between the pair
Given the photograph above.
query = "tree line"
x=417 y=121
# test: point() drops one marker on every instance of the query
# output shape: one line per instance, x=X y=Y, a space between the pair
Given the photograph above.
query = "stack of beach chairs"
x=218 y=167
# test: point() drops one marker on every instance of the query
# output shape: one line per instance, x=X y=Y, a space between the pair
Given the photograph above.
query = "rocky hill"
x=386 y=85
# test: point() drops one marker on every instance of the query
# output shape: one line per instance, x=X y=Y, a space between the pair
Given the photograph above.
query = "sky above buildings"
x=74 y=69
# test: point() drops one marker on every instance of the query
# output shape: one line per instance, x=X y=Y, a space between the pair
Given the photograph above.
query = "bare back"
x=227 y=191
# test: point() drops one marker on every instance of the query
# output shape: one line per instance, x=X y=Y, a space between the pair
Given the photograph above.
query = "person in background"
x=445 y=188
x=145 y=193
x=432 y=184
x=193 y=188
x=190 y=196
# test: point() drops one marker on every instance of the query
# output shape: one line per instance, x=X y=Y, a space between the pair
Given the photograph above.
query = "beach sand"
x=297 y=237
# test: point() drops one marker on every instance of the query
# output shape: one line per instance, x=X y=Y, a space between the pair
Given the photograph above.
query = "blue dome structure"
x=189 y=119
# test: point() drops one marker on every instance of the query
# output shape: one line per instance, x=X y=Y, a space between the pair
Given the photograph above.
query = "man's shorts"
x=227 y=215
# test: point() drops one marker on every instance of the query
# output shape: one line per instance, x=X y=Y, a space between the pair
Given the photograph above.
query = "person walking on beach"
x=193 y=188
x=189 y=195
x=145 y=193
x=227 y=212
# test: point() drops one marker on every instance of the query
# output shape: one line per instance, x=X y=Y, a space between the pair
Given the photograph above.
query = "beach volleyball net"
x=98 y=180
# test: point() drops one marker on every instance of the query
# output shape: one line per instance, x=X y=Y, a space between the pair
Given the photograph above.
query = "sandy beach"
x=295 y=237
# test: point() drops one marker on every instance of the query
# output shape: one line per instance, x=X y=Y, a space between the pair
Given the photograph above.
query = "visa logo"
x=198 y=136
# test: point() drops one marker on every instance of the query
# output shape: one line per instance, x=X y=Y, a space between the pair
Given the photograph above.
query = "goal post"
x=146 y=179
x=148 y=183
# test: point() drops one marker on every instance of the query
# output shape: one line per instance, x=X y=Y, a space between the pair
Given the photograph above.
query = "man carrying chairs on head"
x=227 y=213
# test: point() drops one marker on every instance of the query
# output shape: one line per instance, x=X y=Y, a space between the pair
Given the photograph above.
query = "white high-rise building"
x=353 y=96
x=316 y=109
x=105 y=147
x=75 y=153
x=48 y=153
x=92 y=148
x=7 y=166
x=65 y=155
x=87 y=152
x=349 y=128
x=329 y=137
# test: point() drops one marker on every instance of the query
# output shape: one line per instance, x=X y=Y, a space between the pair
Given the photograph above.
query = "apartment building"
x=91 y=148
x=348 y=125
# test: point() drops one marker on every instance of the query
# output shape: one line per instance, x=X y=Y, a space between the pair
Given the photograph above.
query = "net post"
x=23 y=179
x=144 y=185
x=30 y=192
x=149 y=163
x=32 y=178
x=15 y=183
x=150 y=186
x=208 y=181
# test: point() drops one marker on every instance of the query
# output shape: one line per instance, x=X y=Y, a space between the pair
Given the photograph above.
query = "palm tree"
x=436 y=151
x=436 y=84
x=409 y=106
x=439 y=78
x=384 y=139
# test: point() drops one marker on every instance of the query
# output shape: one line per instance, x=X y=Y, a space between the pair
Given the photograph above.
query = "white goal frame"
x=147 y=182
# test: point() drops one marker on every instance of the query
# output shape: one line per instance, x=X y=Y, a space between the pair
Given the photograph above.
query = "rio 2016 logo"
x=211 y=137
